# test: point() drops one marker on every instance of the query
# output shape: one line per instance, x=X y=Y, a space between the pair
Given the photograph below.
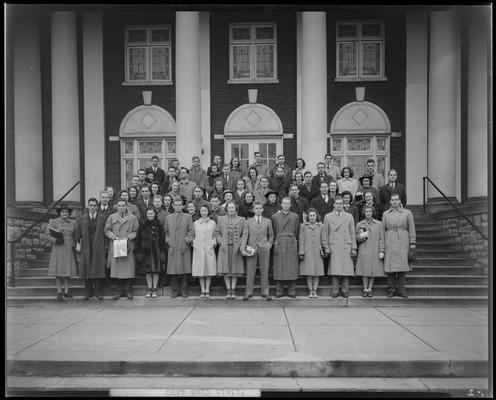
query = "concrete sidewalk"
x=71 y=340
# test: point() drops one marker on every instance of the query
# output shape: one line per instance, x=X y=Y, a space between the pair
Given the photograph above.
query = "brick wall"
x=281 y=97
x=119 y=99
x=390 y=94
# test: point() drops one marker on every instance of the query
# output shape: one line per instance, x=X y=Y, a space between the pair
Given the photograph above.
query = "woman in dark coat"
x=272 y=206
x=245 y=209
x=150 y=250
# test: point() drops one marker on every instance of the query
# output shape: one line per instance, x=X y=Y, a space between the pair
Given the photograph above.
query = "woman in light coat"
x=230 y=262
x=310 y=252
x=62 y=260
x=204 y=262
x=370 y=240
x=399 y=237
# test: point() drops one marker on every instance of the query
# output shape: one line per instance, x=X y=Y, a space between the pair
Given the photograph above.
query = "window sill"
x=382 y=78
x=252 y=81
x=147 y=83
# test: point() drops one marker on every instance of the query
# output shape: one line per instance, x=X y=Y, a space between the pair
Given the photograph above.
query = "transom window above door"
x=244 y=149
x=147 y=55
x=253 y=53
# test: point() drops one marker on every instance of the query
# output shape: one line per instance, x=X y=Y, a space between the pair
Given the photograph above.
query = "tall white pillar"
x=416 y=104
x=94 y=123
x=442 y=116
x=205 y=86
x=65 y=111
x=478 y=33
x=28 y=140
x=188 y=89
x=313 y=88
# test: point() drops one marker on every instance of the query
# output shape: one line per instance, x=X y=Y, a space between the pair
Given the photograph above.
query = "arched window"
x=144 y=132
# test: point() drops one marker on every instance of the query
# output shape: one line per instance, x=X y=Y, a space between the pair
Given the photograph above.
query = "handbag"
x=120 y=248
x=412 y=256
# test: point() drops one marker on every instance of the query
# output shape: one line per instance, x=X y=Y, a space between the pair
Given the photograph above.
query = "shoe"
x=278 y=296
x=67 y=295
x=310 y=294
x=403 y=295
x=334 y=296
x=228 y=294
x=60 y=296
x=365 y=293
x=346 y=295
x=207 y=295
x=99 y=297
x=293 y=296
x=390 y=293
x=154 y=294
x=129 y=296
x=233 y=294
x=370 y=293
x=86 y=298
x=315 y=294
x=148 y=295
x=116 y=297
x=185 y=296
x=268 y=298
x=247 y=296
x=202 y=296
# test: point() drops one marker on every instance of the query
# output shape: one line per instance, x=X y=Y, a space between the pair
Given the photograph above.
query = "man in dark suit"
x=169 y=178
x=158 y=172
x=323 y=202
x=258 y=234
x=281 y=162
x=321 y=177
x=144 y=202
x=280 y=183
x=307 y=189
x=106 y=209
x=299 y=205
x=390 y=188
x=90 y=242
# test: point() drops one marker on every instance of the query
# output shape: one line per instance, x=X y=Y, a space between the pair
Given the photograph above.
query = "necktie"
x=258 y=220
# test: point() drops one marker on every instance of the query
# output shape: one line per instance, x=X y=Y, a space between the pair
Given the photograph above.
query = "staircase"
x=442 y=275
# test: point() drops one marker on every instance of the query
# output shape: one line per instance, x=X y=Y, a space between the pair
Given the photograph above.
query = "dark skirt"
x=230 y=263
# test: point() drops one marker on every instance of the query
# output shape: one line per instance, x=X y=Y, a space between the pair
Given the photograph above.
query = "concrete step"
x=461 y=270
x=392 y=368
x=448 y=261
x=257 y=301
x=158 y=386
x=410 y=279
x=435 y=252
x=194 y=290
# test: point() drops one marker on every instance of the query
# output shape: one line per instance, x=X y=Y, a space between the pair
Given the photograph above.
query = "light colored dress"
x=204 y=262
x=62 y=260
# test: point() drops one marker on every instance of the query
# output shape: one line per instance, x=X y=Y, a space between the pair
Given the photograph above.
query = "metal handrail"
x=476 y=228
x=16 y=240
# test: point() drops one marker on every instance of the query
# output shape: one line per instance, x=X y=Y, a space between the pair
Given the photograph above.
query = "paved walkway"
x=306 y=336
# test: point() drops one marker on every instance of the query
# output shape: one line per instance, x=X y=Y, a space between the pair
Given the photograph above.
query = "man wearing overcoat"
x=339 y=240
x=286 y=230
x=90 y=239
x=179 y=233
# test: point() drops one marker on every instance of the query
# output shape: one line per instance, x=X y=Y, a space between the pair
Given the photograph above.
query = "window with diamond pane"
x=347 y=58
x=136 y=36
x=241 y=62
x=359 y=144
x=264 y=33
x=371 y=58
x=137 y=63
x=150 y=147
x=160 y=63
x=265 y=61
x=241 y=33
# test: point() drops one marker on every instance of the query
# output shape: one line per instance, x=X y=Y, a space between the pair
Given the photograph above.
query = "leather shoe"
x=346 y=295
x=402 y=295
x=247 y=296
x=390 y=293
x=293 y=296
x=268 y=298
x=129 y=296
x=334 y=296
x=278 y=296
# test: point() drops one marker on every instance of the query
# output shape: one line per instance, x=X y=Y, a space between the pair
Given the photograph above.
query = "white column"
x=416 y=104
x=94 y=123
x=313 y=88
x=442 y=116
x=188 y=89
x=28 y=140
x=65 y=112
x=477 y=130
x=205 y=87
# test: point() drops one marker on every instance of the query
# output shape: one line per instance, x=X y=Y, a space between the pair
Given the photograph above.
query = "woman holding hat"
x=60 y=233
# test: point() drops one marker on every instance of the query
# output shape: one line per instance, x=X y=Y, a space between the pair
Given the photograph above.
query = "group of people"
x=227 y=221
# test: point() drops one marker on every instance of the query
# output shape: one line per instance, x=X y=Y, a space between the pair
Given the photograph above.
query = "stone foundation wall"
x=466 y=236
